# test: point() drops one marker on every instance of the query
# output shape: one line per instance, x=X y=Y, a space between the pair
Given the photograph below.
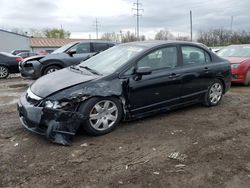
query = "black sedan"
x=70 y=54
x=128 y=81
x=8 y=64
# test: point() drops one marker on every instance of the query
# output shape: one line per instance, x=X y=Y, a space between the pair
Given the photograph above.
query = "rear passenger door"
x=197 y=72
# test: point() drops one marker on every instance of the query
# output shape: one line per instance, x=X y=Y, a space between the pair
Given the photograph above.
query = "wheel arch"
x=223 y=83
x=52 y=63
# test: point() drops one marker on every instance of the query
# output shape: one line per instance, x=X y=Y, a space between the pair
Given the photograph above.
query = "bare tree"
x=164 y=35
x=128 y=37
x=111 y=37
x=223 y=37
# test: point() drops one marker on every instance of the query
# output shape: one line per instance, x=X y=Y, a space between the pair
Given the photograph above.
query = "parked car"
x=44 y=52
x=65 y=56
x=27 y=54
x=8 y=64
x=239 y=56
x=15 y=52
x=127 y=81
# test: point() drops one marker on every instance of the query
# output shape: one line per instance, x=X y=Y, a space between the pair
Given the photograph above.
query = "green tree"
x=56 y=33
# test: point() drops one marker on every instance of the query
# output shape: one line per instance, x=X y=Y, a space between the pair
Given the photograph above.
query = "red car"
x=239 y=56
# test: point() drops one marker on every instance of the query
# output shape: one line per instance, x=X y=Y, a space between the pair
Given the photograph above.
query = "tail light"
x=18 y=59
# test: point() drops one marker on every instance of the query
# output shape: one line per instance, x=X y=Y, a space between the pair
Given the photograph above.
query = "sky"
x=78 y=16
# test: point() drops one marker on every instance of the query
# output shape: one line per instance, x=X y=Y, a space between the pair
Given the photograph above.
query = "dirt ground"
x=213 y=146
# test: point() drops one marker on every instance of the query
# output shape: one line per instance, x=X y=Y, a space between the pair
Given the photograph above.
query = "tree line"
x=46 y=32
x=223 y=37
x=211 y=37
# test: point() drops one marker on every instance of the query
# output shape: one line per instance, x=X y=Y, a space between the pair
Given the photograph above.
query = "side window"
x=194 y=55
x=81 y=48
x=208 y=58
x=160 y=59
x=98 y=47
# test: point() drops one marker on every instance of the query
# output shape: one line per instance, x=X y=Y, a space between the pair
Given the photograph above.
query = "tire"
x=247 y=79
x=4 y=72
x=214 y=94
x=102 y=121
x=51 y=69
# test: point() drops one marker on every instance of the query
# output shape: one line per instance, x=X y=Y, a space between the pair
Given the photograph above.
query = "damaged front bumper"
x=57 y=125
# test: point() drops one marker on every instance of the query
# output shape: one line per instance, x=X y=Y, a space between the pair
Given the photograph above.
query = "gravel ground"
x=191 y=147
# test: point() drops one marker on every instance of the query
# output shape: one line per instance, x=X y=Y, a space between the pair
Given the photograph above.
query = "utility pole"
x=231 y=25
x=97 y=25
x=191 y=25
x=138 y=15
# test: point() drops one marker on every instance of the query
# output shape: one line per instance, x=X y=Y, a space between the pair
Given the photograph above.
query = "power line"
x=138 y=10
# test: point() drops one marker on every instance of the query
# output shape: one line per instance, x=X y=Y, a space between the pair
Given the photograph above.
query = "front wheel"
x=214 y=94
x=103 y=114
x=4 y=72
x=51 y=69
x=247 y=79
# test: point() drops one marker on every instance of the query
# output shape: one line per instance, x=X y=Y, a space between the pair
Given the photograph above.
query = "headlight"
x=235 y=66
x=54 y=104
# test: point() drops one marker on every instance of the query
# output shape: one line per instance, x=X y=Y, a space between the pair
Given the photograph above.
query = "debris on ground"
x=84 y=145
x=16 y=144
x=177 y=156
x=156 y=173
x=135 y=163
x=180 y=166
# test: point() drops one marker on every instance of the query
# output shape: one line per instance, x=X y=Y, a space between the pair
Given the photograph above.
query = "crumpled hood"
x=37 y=57
x=59 y=80
x=234 y=60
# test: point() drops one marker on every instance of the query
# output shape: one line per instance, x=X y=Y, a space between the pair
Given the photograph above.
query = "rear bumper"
x=57 y=125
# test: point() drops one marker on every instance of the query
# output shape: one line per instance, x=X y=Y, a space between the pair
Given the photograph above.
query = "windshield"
x=235 y=51
x=110 y=60
x=64 y=48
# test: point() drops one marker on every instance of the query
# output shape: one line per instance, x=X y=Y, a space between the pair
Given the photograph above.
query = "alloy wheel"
x=51 y=70
x=3 y=72
x=103 y=115
x=215 y=93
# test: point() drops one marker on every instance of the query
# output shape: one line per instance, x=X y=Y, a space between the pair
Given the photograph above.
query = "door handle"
x=206 y=69
x=173 y=75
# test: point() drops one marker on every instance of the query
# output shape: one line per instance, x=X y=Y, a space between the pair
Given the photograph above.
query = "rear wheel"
x=103 y=114
x=247 y=79
x=4 y=72
x=51 y=69
x=214 y=94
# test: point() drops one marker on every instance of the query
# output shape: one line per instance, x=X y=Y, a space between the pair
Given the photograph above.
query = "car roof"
x=240 y=45
x=154 y=43
x=94 y=41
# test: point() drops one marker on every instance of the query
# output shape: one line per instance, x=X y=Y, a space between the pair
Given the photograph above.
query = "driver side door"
x=162 y=87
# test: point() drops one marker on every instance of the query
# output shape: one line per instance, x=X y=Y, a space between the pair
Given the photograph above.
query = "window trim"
x=198 y=47
x=154 y=50
x=134 y=61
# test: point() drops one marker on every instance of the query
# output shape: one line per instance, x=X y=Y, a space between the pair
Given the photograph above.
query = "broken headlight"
x=54 y=104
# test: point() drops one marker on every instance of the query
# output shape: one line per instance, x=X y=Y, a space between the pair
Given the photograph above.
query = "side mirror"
x=71 y=52
x=143 y=71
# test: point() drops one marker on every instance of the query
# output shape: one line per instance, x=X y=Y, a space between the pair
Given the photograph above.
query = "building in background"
x=12 y=41
x=48 y=44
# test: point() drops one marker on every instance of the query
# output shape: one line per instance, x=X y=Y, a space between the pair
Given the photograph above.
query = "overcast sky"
x=77 y=16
